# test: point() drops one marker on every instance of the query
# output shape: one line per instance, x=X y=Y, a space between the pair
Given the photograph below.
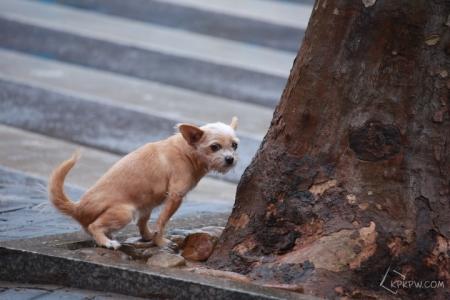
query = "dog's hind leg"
x=113 y=219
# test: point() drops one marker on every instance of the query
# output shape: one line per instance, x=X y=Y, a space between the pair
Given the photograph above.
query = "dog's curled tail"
x=56 y=186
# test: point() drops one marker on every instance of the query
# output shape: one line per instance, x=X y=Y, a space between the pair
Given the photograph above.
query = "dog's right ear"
x=234 y=122
x=191 y=133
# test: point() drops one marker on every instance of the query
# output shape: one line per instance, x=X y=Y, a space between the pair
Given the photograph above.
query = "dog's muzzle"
x=229 y=160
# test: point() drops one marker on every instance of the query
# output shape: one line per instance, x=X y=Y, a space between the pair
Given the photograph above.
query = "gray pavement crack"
x=12 y=210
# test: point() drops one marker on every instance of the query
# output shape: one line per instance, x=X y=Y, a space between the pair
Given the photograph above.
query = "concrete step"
x=62 y=259
x=37 y=155
x=179 y=105
x=224 y=81
x=149 y=37
x=276 y=12
x=198 y=20
x=92 y=123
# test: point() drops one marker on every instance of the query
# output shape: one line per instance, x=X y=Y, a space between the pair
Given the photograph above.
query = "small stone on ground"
x=166 y=260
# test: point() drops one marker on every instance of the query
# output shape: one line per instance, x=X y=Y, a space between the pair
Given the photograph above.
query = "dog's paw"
x=166 y=244
x=147 y=237
x=112 y=244
x=171 y=247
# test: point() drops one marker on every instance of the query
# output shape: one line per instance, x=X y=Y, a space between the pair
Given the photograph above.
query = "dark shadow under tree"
x=353 y=175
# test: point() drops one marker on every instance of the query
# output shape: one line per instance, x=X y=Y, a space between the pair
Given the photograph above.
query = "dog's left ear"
x=191 y=133
x=234 y=123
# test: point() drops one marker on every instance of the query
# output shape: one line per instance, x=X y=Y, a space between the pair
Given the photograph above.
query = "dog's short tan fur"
x=157 y=172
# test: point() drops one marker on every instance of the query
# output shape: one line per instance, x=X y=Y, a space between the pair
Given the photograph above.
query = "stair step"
x=198 y=20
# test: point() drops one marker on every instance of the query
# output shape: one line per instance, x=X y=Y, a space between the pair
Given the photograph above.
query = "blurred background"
x=111 y=75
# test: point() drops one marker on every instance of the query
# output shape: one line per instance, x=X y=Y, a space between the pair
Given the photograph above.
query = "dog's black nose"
x=229 y=160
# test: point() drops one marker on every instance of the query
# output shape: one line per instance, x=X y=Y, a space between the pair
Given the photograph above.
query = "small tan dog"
x=163 y=171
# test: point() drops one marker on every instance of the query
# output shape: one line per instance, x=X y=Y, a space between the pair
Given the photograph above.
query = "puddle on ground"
x=77 y=245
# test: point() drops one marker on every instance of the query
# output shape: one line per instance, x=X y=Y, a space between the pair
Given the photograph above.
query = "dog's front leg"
x=171 y=205
x=145 y=232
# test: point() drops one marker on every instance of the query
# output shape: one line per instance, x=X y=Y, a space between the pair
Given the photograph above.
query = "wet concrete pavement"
x=16 y=291
x=24 y=209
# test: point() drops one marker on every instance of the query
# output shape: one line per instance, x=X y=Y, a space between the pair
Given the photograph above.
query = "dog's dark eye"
x=234 y=145
x=215 y=147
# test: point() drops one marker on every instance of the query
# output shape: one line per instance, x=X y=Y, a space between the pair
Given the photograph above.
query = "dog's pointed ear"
x=234 y=122
x=191 y=133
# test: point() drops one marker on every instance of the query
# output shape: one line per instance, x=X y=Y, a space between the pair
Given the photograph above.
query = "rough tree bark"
x=353 y=175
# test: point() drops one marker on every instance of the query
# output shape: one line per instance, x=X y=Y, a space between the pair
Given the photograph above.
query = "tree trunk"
x=353 y=176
